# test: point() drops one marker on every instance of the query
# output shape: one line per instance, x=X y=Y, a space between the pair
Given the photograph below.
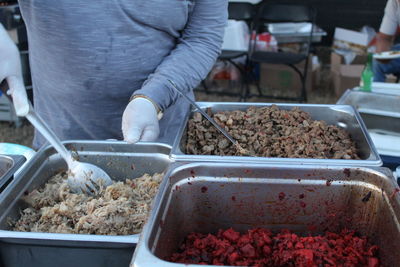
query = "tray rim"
x=17 y=162
x=374 y=159
x=143 y=255
x=43 y=155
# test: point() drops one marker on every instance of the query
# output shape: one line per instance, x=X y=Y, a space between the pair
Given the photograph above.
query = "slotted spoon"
x=82 y=177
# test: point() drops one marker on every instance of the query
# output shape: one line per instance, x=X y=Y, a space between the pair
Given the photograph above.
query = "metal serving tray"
x=296 y=37
x=205 y=197
x=9 y=164
x=120 y=161
x=343 y=116
x=379 y=111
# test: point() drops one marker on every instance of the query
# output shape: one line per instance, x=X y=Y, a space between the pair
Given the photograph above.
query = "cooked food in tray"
x=119 y=209
x=387 y=55
x=269 y=132
x=260 y=247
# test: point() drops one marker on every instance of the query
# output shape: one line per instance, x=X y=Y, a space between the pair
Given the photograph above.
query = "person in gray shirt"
x=97 y=65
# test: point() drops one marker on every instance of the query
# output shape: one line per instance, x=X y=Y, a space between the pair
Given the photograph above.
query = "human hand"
x=10 y=70
x=139 y=121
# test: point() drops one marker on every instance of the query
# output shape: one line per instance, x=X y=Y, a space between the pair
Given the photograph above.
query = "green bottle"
x=367 y=76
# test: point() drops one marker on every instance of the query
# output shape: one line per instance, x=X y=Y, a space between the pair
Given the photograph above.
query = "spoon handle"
x=230 y=138
x=43 y=128
x=49 y=135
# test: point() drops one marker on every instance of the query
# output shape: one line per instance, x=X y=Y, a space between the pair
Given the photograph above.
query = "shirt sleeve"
x=390 y=20
x=196 y=52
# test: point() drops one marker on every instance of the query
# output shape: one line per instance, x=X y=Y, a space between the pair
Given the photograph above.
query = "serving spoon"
x=82 y=177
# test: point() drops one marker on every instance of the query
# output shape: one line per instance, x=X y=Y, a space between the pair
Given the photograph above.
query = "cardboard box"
x=282 y=80
x=351 y=40
x=337 y=61
x=346 y=76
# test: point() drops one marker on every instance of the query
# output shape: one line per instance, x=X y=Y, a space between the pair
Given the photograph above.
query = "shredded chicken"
x=119 y=209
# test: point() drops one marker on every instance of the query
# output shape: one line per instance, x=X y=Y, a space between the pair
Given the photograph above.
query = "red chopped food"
x=260 y=247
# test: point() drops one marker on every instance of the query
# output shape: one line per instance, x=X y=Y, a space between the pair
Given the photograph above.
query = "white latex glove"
x=139 y=121
x=10 y=69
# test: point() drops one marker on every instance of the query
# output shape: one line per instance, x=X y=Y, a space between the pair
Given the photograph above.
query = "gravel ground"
x=324 y=95
x=22 y=135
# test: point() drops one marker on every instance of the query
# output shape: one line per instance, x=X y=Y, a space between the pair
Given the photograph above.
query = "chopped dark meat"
x=269 y=132
x=260 y=247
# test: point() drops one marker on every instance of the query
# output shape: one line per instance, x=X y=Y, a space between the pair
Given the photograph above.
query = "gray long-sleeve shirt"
x=88 y=57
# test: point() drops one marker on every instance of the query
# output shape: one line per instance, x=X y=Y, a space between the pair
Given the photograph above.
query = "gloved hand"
x=10 y=69
x=139 y=121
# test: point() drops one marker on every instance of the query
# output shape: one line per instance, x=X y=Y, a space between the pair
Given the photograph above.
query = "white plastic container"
x=236 y=36
x=289 y=27
x=247 y=1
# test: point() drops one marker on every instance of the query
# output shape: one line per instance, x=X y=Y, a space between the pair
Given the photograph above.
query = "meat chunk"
x=260 y=247
x=269 y=132
x=119 y=209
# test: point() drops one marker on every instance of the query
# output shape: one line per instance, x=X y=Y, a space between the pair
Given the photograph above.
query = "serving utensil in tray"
x=206 y=197
x=343 y=116
x=211 y=120
x=83 y=177
x=118 y=159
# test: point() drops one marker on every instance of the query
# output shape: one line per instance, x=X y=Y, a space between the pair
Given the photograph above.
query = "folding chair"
x=275 y=13
x=242 y=12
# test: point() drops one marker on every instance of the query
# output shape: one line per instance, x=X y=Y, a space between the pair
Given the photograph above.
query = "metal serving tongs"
x=82 y=177
x=241 y=150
